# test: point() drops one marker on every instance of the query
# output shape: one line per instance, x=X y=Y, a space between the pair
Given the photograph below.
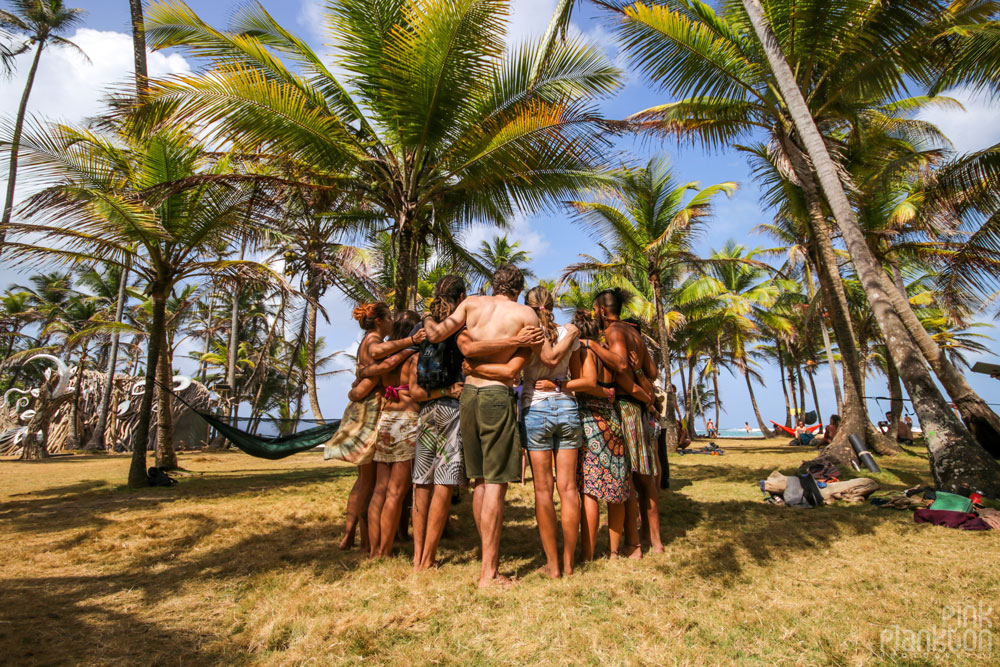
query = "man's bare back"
x=494 y=318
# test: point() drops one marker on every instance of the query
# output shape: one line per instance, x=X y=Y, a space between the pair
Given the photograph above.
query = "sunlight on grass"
x=238 y=564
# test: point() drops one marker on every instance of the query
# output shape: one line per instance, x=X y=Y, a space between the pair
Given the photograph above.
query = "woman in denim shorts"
x=551 y=428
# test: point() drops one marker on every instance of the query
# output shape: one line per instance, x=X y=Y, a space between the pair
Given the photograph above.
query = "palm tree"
x=956 y=458
x=42 y=21
x=453 y=125
x=734 y=301
x=499 y=251
x=158 y=202
x=647 y=221
x=728 y=81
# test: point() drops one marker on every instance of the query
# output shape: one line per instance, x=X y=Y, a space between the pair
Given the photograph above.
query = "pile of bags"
x=941 y=508
x=815 y=487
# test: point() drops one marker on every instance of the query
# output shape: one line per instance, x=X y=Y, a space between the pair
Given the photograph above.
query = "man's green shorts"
x=491 y=439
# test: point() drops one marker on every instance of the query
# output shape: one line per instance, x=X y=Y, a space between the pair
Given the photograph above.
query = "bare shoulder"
x=527 y=315
x=473 y=303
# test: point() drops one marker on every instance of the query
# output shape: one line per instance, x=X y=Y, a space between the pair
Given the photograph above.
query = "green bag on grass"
x=951 y=502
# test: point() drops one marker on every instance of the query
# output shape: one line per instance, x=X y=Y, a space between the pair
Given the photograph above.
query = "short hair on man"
x=508 y=281
x=612 y=300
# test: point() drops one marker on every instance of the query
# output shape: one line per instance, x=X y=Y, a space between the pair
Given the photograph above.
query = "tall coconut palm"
x=734 y=302
x=44 y=22
x=957 y=459
x=158 y=202
x=648 y=221
x=498 y=251
x=434 y=118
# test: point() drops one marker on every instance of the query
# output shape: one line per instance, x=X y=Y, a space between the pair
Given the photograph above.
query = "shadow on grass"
x=62 y=619
x=86 y=619
x=82 y=504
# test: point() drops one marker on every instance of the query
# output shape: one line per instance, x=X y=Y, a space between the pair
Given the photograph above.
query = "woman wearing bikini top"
x=395 y=447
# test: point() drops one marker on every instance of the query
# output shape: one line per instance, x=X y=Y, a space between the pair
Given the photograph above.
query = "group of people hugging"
x=451 y=398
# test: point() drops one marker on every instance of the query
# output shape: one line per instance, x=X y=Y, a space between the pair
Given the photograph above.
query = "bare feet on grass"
x=499 y=581
x=421 y=567
x=551 y=570
x=634 y=552
x=347 y=542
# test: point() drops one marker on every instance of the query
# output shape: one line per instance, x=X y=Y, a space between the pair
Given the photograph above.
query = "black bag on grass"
x=158 y=477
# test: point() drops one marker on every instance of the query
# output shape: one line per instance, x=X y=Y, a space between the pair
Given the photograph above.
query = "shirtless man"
x=502 y=332
x=626 y=353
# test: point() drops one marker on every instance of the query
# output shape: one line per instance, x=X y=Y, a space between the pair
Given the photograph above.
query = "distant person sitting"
x=904 y=434
x=884 y=426
x=710 y=429
x=683 y=437
x=829 y=433
x=803 y=436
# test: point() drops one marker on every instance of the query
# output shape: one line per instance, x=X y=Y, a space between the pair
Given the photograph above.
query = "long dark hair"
x=448 y=293
x=403 y=324
x=585 y=322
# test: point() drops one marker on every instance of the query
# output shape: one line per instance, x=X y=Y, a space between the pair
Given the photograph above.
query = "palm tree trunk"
x=811 y=291
x=137 y=469
x=764 y=430
x=15 y=144
x=234 y=343
x=715 y=388
x=317 y=413
x=166 y=456
x=667 y=418
x=853 y=410
x=73 y=436
x=404 y=261
x=957 y=460
x=139 y=48
x=978 y=416
x=812 y=384
x=96 y=442
x=692 y=363
x=209 y=320
x=895 y=396
x=784 y=387
x=802 y=388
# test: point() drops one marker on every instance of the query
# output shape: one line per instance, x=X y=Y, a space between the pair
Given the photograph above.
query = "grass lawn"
x=238 y=565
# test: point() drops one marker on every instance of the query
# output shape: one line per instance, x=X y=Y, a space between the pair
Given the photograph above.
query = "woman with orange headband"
x=355 y=440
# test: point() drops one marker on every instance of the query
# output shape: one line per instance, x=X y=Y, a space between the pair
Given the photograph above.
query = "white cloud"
x=311 y=17
x=70 y=89
x=529 y=19
x=974 y=128
x=521 y=229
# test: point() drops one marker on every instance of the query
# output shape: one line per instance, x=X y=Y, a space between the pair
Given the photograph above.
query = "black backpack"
x=159 y=477
x=439 y=365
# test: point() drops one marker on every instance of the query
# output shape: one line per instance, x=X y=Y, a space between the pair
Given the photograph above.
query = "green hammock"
x=276 y=447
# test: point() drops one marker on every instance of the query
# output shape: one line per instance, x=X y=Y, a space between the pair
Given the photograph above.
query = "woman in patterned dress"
x=354 y=441
x=605 y=469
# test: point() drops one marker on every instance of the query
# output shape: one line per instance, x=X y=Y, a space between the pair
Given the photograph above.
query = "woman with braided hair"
x=552 y=430
x=354 y=441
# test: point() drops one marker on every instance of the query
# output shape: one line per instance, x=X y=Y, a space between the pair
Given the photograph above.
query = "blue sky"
x=69 y=89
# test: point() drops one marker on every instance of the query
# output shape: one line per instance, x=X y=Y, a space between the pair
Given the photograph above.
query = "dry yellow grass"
x=238 y=565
